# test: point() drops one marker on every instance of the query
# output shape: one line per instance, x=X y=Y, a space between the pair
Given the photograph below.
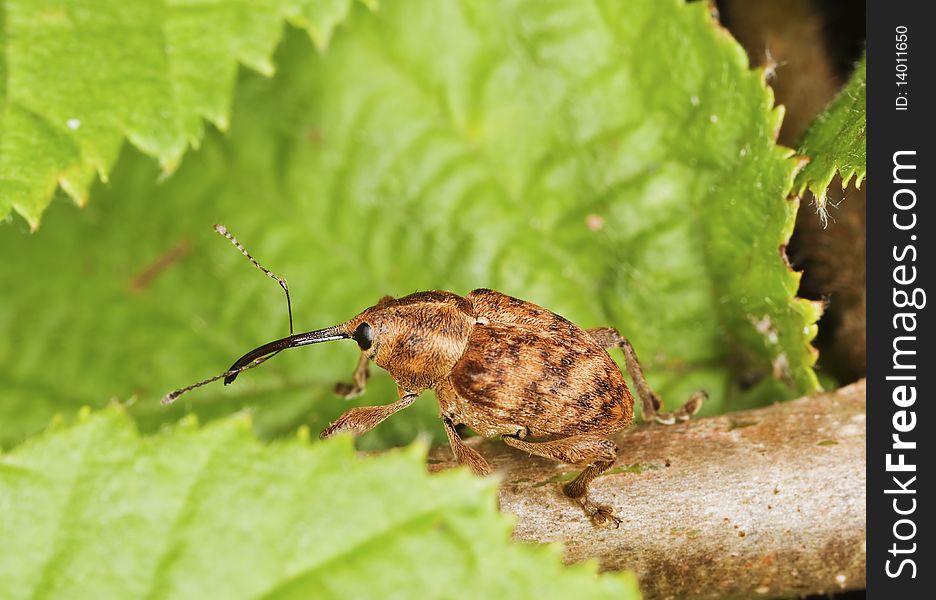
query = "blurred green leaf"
x=835 y=142
x=578 y=155
x=80 y=76
x=96 y=511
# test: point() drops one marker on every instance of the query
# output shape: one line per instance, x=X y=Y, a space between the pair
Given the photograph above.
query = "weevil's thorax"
x=418 y=338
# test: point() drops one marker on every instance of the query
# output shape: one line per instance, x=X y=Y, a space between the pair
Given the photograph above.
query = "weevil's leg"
x=463 y=454
x=691 y=406
x=595 y=451
x=358 y=380
x=650 y=402
x=364 y=418
x=358 y=383
x=448 y=406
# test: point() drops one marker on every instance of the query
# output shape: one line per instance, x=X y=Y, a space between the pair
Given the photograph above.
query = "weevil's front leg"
x=364 y=418
x=463 y=454
x=597 y=452
x=358 y=380
x=650 y=402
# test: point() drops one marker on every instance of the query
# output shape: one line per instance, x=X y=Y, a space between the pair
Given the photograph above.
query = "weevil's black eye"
x=364 y=336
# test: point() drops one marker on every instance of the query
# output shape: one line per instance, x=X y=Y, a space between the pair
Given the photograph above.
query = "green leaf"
x=555 y=151
x=835 y=142
x=79 y=77
x=96 y=511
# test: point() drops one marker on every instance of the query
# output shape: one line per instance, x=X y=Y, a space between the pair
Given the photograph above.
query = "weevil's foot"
x=684 y=413
x=348 y=390
x=600 y=514
x=605 y=515
x=692 y=405
x=335 y=428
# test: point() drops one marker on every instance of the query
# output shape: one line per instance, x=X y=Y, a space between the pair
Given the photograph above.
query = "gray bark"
x=760 y=503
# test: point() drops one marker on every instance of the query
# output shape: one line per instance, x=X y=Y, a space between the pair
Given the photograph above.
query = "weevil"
x=501 y=366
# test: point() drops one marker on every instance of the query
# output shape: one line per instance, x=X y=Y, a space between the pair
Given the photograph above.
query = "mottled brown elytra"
x=501 y=366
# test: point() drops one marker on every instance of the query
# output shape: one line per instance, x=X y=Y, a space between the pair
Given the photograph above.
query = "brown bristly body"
x=502 y=366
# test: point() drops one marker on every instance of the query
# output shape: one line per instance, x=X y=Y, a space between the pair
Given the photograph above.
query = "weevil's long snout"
x=329 y=334
x=259 y=355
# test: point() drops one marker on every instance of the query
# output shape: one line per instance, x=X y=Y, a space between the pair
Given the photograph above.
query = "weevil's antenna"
x=171 y=396
x=221 y=229
x=231 y=373
x=265 y=352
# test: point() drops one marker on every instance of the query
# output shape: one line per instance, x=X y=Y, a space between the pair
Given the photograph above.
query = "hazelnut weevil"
x=501 y=366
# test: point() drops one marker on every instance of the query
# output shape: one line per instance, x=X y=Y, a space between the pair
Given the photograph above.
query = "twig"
x=760 y=503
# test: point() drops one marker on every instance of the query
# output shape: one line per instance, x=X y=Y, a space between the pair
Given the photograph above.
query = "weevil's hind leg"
x=691 y=406
x=650 y=402
x=577 y=489
x=364 y=418
x=358 y=381
x=597 y=452
x=463 y=454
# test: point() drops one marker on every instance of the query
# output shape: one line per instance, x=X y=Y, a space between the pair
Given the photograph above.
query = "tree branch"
x=767 y=502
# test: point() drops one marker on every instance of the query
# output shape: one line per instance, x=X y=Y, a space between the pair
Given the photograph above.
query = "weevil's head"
x=417 y=338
